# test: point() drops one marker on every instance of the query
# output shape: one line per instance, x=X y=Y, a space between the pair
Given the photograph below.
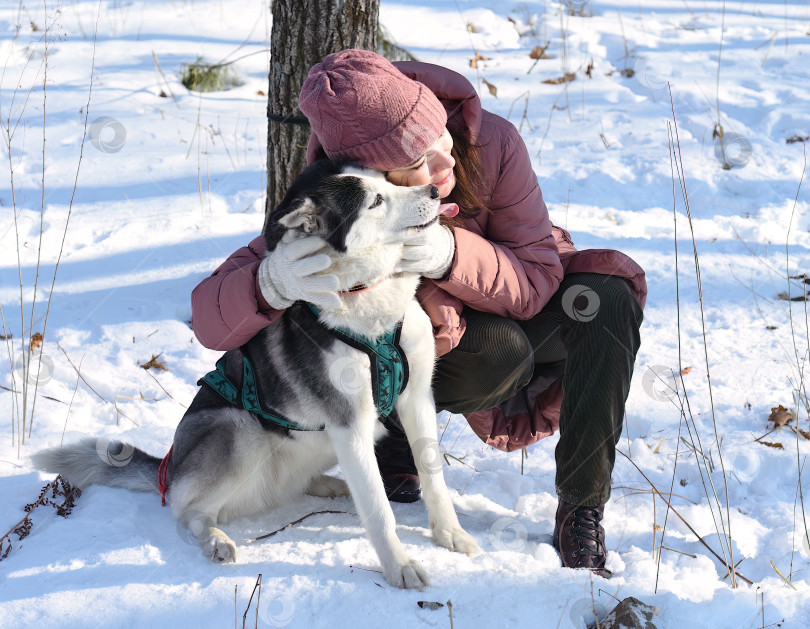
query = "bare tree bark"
x=304 y=32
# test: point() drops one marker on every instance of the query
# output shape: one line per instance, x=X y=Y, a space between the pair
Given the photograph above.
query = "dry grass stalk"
x=676 y=159
x=257 y=586
x=800 y=389
x=686 y=522
x=58 y=487
x=20 y=410
x=784 y=578
x=70 y=406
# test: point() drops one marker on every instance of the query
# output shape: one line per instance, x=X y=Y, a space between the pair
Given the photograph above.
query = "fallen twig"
x=286 y=526
x=47 y=397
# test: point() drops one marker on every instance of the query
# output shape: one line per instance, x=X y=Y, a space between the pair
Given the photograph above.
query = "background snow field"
x=170 y=182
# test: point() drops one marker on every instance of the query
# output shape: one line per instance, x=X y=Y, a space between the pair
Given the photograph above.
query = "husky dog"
x=228 y=462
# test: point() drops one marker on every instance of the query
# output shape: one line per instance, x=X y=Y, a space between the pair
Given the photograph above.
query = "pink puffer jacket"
x=509 y=261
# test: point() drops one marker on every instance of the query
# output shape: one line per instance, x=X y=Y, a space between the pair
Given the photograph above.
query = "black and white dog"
x=227 y=461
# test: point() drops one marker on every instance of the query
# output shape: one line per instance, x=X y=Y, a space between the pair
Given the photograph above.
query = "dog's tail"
x=101 y=462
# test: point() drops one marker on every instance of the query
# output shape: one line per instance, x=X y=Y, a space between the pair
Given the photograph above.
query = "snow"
x=169 y=186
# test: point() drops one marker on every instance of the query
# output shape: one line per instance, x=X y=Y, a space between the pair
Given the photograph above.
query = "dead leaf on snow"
x=539 y=52
x=785 y=297
x=492 y=89
x=803 y=433
x=478 y=57
x=772 y=444
x=686 y=370
x=781 y=415
x=153 y=363
x=566 y=78
x=36 y=341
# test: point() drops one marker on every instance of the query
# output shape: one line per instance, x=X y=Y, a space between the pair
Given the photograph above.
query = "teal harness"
x=389 y=376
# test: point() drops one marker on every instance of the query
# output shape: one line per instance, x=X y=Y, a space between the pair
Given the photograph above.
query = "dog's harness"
x=389 y=376
x=389 y=365
x=248 y=397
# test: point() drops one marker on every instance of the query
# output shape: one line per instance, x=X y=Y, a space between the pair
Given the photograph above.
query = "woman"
x=531 y=334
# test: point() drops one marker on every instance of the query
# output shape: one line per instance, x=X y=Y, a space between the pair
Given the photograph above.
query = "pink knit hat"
x=361 y=107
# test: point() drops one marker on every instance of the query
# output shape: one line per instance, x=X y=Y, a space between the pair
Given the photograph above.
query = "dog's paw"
x=327 y=487
x=219 y=547
x=456 y=539
x=408 y=576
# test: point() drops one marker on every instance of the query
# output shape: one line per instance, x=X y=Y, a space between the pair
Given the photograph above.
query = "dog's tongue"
x=448 y=209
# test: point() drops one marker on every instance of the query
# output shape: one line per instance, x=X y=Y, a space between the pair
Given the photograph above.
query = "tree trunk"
x=304 y=32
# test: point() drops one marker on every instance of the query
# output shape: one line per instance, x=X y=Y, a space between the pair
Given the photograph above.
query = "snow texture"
x=170 y=182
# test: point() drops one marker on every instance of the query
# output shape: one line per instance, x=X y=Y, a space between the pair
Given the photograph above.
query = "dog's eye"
x=377 y=202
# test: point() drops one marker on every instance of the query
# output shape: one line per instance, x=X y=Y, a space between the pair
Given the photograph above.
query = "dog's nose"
x=434 y=192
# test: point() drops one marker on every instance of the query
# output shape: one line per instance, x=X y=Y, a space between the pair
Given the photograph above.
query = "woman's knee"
x=607 y=299
x=492 y=362
x=500 y=344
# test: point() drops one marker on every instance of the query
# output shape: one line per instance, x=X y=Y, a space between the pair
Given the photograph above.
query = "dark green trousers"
x=592 y=324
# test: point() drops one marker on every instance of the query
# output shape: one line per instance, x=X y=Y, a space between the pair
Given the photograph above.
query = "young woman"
x=531 y=334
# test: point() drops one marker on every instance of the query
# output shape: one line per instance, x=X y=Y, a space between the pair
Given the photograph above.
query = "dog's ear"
x=305 y=218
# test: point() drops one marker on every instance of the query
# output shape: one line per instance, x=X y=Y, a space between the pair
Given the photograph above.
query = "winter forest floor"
x=170 y=182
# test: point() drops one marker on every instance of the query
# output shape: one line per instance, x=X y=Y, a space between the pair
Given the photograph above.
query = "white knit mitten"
x=430 y=252
x=292 y=272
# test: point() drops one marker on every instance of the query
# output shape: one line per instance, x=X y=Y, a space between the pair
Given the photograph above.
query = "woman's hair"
x=469 y=172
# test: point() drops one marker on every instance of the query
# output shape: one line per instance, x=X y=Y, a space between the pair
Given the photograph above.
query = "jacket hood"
x=455 y=92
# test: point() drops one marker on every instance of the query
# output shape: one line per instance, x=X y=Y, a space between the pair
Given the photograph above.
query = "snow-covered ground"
x=171 y=182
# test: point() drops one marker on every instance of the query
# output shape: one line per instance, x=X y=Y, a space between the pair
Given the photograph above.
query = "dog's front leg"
x=418 y=416
x=354 y=446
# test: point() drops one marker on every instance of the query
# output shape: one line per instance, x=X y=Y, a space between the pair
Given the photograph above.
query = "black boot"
x=580 y=538
x=395 y=459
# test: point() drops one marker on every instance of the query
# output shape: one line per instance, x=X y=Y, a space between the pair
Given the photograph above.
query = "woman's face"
x=435 y=166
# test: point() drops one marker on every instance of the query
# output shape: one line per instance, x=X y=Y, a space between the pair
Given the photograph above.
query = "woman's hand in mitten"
x=293 y=271
x=429 y=252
